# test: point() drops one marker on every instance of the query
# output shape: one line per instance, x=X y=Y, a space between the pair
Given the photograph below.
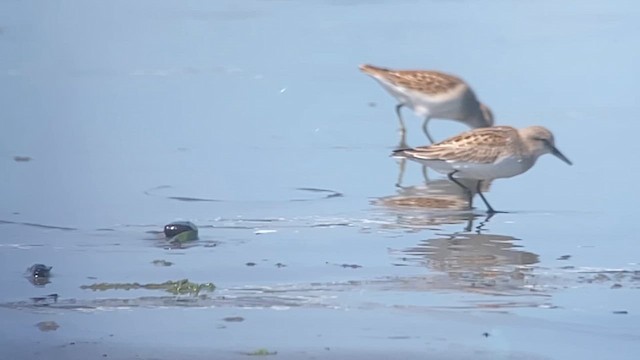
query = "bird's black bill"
x=560 y=156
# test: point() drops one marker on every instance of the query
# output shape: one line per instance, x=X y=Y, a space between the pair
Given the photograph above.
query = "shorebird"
x=486 y=154
x=431 y=94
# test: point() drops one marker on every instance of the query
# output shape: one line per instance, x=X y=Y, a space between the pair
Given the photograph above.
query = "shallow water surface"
x=252 y=120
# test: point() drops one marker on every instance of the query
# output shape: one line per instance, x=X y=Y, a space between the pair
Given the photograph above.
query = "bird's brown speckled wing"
x=426 y=81
x=481 y=146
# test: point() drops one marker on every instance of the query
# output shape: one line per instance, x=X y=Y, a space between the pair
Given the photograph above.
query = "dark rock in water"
x=177 y=227
x=40 y=271
x=39 y=274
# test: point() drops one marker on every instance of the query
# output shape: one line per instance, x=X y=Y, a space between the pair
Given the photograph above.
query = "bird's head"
x=540 y=140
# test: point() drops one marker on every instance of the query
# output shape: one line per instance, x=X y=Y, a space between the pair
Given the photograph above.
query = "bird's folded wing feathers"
x=483 y=146
x=426 y=81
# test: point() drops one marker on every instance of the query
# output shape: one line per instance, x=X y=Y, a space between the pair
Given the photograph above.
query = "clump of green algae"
x=179 y=287
x=262 y=352
x=184 y=237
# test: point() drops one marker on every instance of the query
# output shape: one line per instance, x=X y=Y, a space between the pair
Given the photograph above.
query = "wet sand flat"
x=252 y=121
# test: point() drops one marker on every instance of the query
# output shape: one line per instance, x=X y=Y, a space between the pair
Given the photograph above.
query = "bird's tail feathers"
x=372 y=70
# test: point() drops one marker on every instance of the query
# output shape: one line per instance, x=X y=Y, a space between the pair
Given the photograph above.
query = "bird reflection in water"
x=476 y=262
x=470 y=259
x=434 y=203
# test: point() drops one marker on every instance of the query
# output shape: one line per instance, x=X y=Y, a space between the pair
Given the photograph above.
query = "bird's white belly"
x=446 y=106
x=505 y=168
x=401 y=94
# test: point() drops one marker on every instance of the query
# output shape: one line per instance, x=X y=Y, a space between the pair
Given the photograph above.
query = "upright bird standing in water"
x=486 y=154
x=431 y=94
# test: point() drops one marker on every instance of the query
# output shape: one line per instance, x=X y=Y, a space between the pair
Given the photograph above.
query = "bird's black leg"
x=426 y=130
x=466 y=189
x=401 y=166
x=490 y=209
x=425 y=175
x=403 y=130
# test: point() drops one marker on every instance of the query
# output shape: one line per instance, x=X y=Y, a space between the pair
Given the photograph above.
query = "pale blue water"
x=122 y=105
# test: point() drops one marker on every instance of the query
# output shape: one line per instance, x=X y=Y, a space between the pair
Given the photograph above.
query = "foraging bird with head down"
x=431 y=94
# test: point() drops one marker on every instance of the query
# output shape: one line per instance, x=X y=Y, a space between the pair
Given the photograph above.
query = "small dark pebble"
x=352 y=266
x=234 y=319
x=486 y=334
x=564 y=257
x=104 y=355
x=47 y=326
x=21 y=158
x=616 y=286
x=280 y=265
x=621 y=312
x=177 y=227
x=250 y=264
x=161 y=263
